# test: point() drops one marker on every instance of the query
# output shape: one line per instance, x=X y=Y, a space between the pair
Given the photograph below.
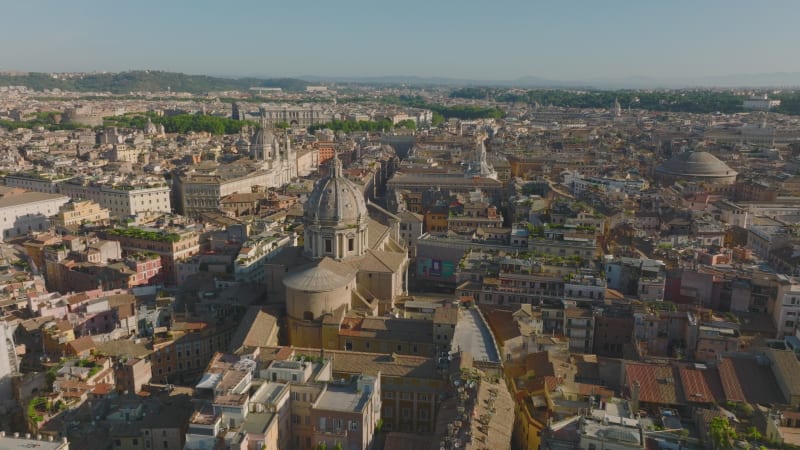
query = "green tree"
x=753 y=435
x=409 y=124
x=722 y=434
x=437 y=119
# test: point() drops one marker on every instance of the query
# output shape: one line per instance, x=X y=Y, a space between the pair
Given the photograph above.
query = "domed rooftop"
x=696 y=164
x=263 y=136
x=335 y=200
x=326 y=276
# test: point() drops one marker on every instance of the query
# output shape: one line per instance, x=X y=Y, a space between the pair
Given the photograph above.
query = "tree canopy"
x=466 y=112
x=181 y=123
x=722 y=433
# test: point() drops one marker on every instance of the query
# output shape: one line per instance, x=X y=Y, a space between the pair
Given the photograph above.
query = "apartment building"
x=171 y=245
x=122 y=200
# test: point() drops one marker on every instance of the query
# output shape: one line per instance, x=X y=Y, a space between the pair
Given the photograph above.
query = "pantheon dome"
x=695 y=166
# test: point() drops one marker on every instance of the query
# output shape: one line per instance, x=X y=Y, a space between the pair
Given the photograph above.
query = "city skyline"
x=617 y=41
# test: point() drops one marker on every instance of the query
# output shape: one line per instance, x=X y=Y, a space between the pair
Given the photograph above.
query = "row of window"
x=389 y=395
x=405 y=413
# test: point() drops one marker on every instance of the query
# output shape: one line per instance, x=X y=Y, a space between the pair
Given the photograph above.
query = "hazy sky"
x=491 y=39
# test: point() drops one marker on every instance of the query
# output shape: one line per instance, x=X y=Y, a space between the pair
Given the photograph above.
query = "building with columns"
x=349 y=264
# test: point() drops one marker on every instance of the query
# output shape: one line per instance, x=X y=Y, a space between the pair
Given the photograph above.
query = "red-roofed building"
x=653 y=384
x=81 y=347
x=694 y=385
x=730 y=382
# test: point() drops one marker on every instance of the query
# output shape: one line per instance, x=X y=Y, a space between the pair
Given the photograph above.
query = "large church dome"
x=335 y=200
x=262 y=137
x=696 y=166
x=335 y=217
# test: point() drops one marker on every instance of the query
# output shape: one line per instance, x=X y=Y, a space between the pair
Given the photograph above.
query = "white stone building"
x=24 y=211
x=123 y=200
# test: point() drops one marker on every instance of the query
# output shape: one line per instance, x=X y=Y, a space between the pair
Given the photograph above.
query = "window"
x=406 y=413
x=166 y=444
x=388 y=411
x=388 y=394
x=353 y=425
x=351 y=243
x=328 y=245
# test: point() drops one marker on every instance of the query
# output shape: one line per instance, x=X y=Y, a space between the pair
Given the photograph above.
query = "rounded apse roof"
x=696 y=164
x=335 y=199
x=317 y=278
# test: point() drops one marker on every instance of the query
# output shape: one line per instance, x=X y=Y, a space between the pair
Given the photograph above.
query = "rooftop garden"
x=138 y=233
x=38 y=407
x=91 y=365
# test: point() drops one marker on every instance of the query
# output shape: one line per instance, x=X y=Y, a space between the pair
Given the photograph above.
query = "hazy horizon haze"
x=503 y=40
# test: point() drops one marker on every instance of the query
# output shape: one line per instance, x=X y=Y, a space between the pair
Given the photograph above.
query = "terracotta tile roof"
x=694 y=386
x=594 y=389
x=551 y=382
x=730 y=382
x=77 y=298
x=539 y=363
x=714 y=384
x=81 y=345
x=256 y=329
x=102 y=389
x=656 y=383
x=394 y=365
x=502 y=323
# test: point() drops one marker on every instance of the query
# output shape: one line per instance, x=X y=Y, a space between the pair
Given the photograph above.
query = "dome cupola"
x=335 y=217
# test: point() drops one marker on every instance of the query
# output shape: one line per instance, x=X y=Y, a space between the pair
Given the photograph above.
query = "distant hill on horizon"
x=160 y=81
x=145 y=81
x=757 y=81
